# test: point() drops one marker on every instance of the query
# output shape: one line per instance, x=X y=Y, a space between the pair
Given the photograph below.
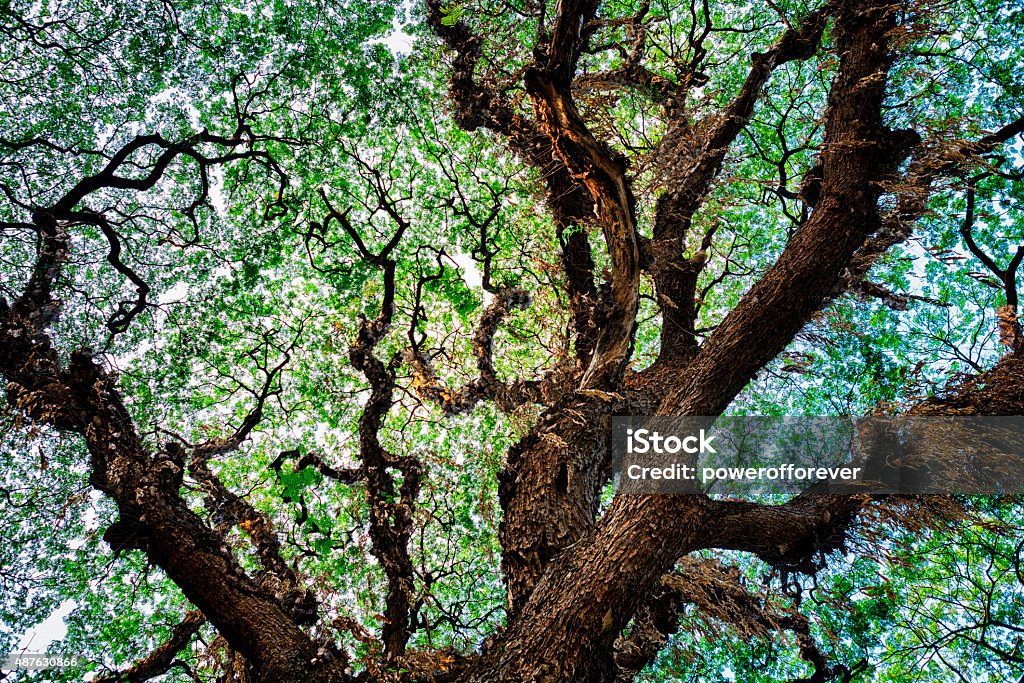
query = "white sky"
x=50 y=630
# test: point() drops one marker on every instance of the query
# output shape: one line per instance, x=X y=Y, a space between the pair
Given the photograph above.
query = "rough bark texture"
x=591 y=597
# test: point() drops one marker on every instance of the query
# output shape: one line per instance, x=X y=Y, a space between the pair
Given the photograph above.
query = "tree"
x=248 y=254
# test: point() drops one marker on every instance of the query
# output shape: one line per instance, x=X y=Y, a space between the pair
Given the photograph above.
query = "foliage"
x=256 y=295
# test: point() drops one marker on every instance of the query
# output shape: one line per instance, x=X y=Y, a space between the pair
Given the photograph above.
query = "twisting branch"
x=392 y=500
x=479 y=104
x=818 y=252
x=71 y=208
x=345 y=476
x=486 y=386
x=586 y=180
x=594 y=165
x=562 y=460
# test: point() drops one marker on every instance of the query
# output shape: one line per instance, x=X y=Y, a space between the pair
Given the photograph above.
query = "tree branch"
x=84 y=399
x=163 y=658
x=692 y=159
x=486 y=386
x=391 y=510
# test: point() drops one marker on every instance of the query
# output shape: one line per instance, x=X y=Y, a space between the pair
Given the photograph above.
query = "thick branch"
x=602 y=577
x=479 y=104
x=792 y=536
x=278 y=578
x=594 y=165
x=84 y=399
